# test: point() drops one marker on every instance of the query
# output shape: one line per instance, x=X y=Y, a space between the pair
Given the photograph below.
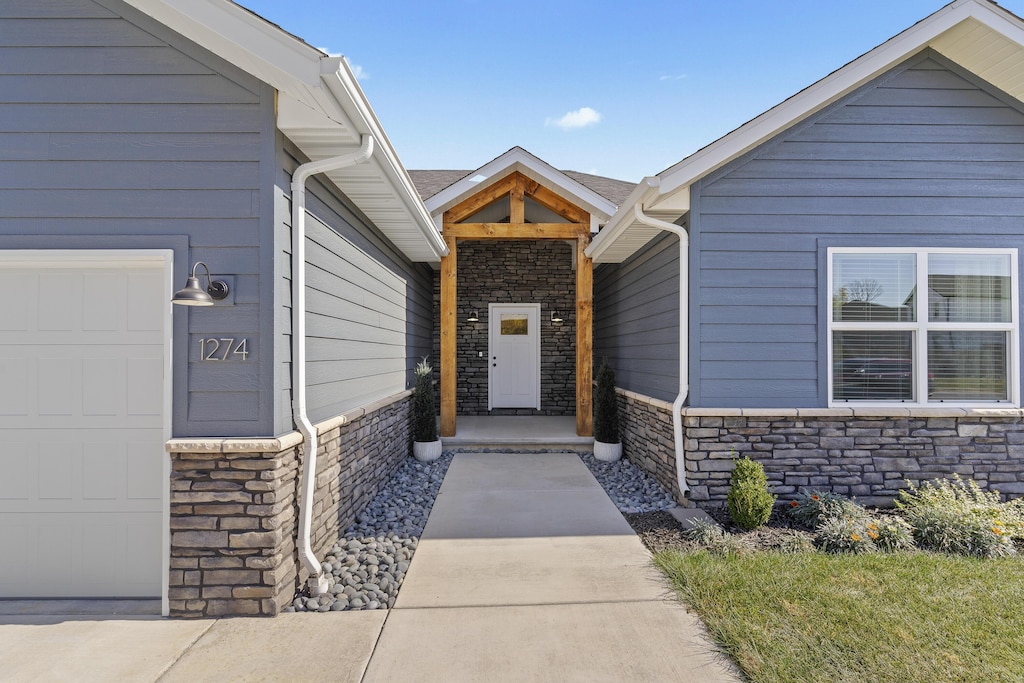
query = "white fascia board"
x=518 y=159
x=833 y=87
x=623 y=218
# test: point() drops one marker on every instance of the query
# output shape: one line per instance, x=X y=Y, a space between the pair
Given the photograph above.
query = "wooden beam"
x=492 y=193
x=516 y=231
x=449 y=293
x=516 y=202
x=584 y=338
x=559 y=205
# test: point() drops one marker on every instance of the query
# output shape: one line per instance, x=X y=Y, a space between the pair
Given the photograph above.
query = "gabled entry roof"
x=320 y=107
x=979 y=35
x=586 y=191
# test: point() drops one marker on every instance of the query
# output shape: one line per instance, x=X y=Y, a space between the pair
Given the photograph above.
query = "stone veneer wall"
x=645 y=428
x=512 y=272
x=867 y=453
x=234 y=507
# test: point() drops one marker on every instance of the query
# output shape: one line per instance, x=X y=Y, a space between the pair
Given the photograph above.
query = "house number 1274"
x=223 y=348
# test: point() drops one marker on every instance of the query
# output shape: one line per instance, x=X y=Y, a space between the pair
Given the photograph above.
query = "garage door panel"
x=142 y=290
x=144 y=479
x=144 y=377
x=103 y=386
x=59 y=306
x=59 y=383
x=60 y=464
x=83 y=493
x=16 y=372
x=103 y=471
x=15 y=310
x=103 y=302
x=17 y=461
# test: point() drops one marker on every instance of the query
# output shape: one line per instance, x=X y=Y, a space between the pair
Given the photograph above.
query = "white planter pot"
x=609 y=452
x=425 y=451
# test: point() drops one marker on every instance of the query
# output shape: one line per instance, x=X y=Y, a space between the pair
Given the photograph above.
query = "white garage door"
x=82 y=407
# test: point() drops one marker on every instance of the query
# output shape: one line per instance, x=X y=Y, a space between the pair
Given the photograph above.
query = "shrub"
x=811 y=510
x=890 y=534
x=704 y=532
x=845 y=535
x=424 y=414
x=956 y=516
x=750 y=501
x=606 y=406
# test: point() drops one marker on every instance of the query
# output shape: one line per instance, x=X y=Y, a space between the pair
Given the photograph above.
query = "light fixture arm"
x=217 y=289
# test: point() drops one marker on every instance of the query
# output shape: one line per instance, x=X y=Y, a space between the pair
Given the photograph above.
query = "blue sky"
x=645 y=83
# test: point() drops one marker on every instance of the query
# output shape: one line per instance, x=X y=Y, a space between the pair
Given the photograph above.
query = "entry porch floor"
x=516 y=430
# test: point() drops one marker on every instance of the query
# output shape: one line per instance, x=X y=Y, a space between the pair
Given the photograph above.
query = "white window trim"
x=921 y=326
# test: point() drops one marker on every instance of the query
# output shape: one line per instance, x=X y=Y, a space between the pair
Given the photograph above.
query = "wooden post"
x=584 y=338
x=449 y=293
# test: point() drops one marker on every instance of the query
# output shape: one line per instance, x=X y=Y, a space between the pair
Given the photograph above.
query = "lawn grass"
x=816 y=617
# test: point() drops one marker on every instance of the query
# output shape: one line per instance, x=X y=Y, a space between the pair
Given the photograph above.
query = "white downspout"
x=684 y=324
x=317 y=581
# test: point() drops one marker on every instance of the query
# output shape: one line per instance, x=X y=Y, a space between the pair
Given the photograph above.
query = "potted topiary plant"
x=607 y=445
x=426 y=444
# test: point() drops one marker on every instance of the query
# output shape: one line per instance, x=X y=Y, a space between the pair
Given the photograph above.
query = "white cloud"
x=582 y=117
x=356 y=69
x=360 y=72
x=672 y=78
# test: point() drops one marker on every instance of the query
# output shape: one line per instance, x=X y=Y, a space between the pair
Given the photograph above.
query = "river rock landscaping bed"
x=366 y=567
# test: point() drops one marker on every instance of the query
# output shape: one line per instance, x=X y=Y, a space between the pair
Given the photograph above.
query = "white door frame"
x=492 y=311
x=105 y=258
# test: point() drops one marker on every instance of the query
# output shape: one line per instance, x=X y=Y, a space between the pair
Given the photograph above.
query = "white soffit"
x=518 y=159
x=320 y=107
x=980 y=36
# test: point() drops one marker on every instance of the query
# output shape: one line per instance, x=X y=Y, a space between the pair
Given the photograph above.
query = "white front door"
x=514 y=355
x=84 y=343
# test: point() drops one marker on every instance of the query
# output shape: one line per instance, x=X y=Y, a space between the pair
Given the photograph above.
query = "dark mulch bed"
x=660 y=531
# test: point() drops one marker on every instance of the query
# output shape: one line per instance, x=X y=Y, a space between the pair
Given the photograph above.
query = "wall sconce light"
x=192 y=294
x=474 y=317
x=555 y=318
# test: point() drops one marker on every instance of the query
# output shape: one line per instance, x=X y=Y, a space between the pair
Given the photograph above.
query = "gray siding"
x=369 y=315
x=636 y=319
x=927 y=155
x=116 y=132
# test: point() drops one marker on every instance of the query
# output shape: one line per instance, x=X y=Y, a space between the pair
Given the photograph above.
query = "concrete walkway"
x=525 y=572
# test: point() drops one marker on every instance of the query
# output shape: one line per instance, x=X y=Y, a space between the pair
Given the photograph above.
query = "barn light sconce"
x=192 y=294
x=555 y=318
x=474 y=317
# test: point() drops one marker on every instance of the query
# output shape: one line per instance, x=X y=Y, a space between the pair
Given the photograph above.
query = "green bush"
x=813 y=509
x=890 y=534
x=704 y=532
x=606 y=406
x=424 y=414
x=844 y=535
x=956 y=516
x=750 y=501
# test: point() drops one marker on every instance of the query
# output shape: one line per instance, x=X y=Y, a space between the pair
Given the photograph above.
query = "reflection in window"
x=873 y=287
x=969 y=288
x=514 y=324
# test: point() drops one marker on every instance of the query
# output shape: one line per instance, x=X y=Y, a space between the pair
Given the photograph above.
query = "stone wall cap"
x=278 y=443
x=769 y=412
x=714 y=412
x=656 y=402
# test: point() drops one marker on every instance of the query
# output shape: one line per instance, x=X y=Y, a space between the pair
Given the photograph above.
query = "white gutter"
x=317 y=581
x=684 y=378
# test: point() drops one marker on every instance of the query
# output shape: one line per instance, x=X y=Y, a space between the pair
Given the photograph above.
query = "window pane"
x=514 y=324
x=873 y=287
x=969 y=288
x=967 y=366
x=873 y=366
